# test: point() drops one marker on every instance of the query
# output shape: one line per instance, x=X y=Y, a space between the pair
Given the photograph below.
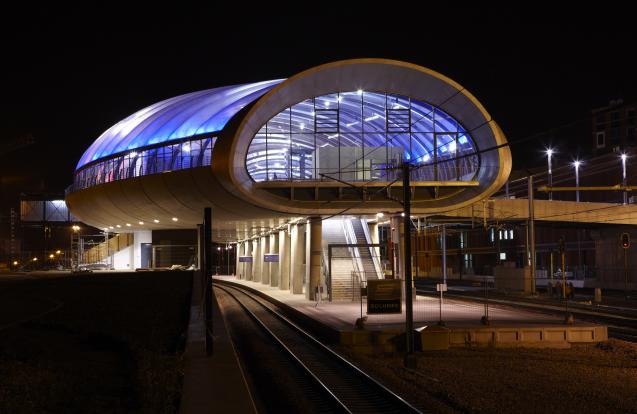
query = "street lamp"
x=576 y=164
x=549 y=154
x=624 y=183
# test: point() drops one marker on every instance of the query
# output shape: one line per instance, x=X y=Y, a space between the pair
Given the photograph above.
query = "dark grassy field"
x=114 y=344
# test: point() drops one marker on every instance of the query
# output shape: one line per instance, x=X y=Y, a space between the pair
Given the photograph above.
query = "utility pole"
x=207 y=275
x=410 y=360
x=568 y=319
x=532 y=234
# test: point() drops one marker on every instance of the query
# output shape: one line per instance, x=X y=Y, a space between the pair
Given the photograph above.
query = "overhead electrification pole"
x=207 y=274
x=410 y=360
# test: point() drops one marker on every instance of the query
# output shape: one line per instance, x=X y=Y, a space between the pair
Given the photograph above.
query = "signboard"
x=271 y=258
x=384 y=296
x=441 y=287
x=245 y=259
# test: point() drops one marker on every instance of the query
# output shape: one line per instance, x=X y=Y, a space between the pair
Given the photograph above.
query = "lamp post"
x=219 y=258
x=624 y=183
x=576 y=164
x=549 y=154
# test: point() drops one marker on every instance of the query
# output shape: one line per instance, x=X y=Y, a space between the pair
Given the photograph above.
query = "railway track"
x=345 y=387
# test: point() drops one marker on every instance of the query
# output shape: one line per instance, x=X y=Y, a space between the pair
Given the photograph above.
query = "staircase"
x=369 y=268
x=342 y=260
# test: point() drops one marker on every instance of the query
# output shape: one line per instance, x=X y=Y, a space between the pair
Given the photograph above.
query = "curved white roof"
x=179 y=117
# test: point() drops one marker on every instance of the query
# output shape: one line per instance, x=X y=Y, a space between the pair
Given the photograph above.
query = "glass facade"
x=361 y=136
x=180 y=155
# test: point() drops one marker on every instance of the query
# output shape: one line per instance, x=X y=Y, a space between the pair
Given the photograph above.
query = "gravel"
x=598 y=378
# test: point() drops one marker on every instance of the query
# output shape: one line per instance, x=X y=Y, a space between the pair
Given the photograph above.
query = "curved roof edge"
x=174 y=118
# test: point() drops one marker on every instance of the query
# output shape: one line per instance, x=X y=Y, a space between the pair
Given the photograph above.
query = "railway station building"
x=293 y=166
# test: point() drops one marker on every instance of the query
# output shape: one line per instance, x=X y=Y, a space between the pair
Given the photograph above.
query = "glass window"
x=362 y=135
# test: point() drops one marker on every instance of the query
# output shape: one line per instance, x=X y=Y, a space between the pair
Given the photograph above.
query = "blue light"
x=179 y=117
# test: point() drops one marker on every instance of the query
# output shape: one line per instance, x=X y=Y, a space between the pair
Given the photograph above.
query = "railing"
x=372 y=250
x=350 y=238
x=184 y=154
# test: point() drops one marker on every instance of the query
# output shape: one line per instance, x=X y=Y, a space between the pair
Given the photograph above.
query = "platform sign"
x=245 y=259
x=271 y=258
x=384 y=296
x=441 y=287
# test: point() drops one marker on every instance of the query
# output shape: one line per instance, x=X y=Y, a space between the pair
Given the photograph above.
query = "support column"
x=373 y=233
x=247 y=266
x=316 y=239
x=398 y=239
x=256 y=268
x=238 y=251
x=284 y=260
x=274 y=266
x=265 y=267
x=297 y=243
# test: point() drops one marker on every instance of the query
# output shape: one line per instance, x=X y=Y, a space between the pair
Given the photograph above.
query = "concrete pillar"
x=373 y=233
x=316 y=238
x=139 y=237
x=247 y=266
x=274 y=266
x=284 y=260
x=265 y=268
x=238 y=251
x=256 y=268
x=297 y=244
x=398 y=238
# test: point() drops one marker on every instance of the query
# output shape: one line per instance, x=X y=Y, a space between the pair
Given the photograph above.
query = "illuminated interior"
x=361 y=136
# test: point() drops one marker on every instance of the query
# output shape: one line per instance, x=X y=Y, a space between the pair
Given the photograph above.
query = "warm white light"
x=58 y=251
x=156 y=221
x=110 y=227
x=576 y=163
x=118 y=226
x=402 y=214
x=75 y=227
x=218 y=248
x=380 y=215
x=51 y=256
x=35 y=259
x=175 y=219
x=127 y=224
x=229 y=247
x=15 y=262
x=141 y=223
x=549 y=152
x=623 y=157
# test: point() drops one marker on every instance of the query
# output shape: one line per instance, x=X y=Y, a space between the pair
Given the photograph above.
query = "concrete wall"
x=123 y=259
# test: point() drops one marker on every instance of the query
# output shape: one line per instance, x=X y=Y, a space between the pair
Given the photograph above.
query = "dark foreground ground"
x=98 y=343
x=584 y=379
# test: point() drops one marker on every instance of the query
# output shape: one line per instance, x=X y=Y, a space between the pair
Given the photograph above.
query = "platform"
x=212 y=383
x=462 y=323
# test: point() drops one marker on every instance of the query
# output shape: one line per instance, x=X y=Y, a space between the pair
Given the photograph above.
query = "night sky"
x=70 y=74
